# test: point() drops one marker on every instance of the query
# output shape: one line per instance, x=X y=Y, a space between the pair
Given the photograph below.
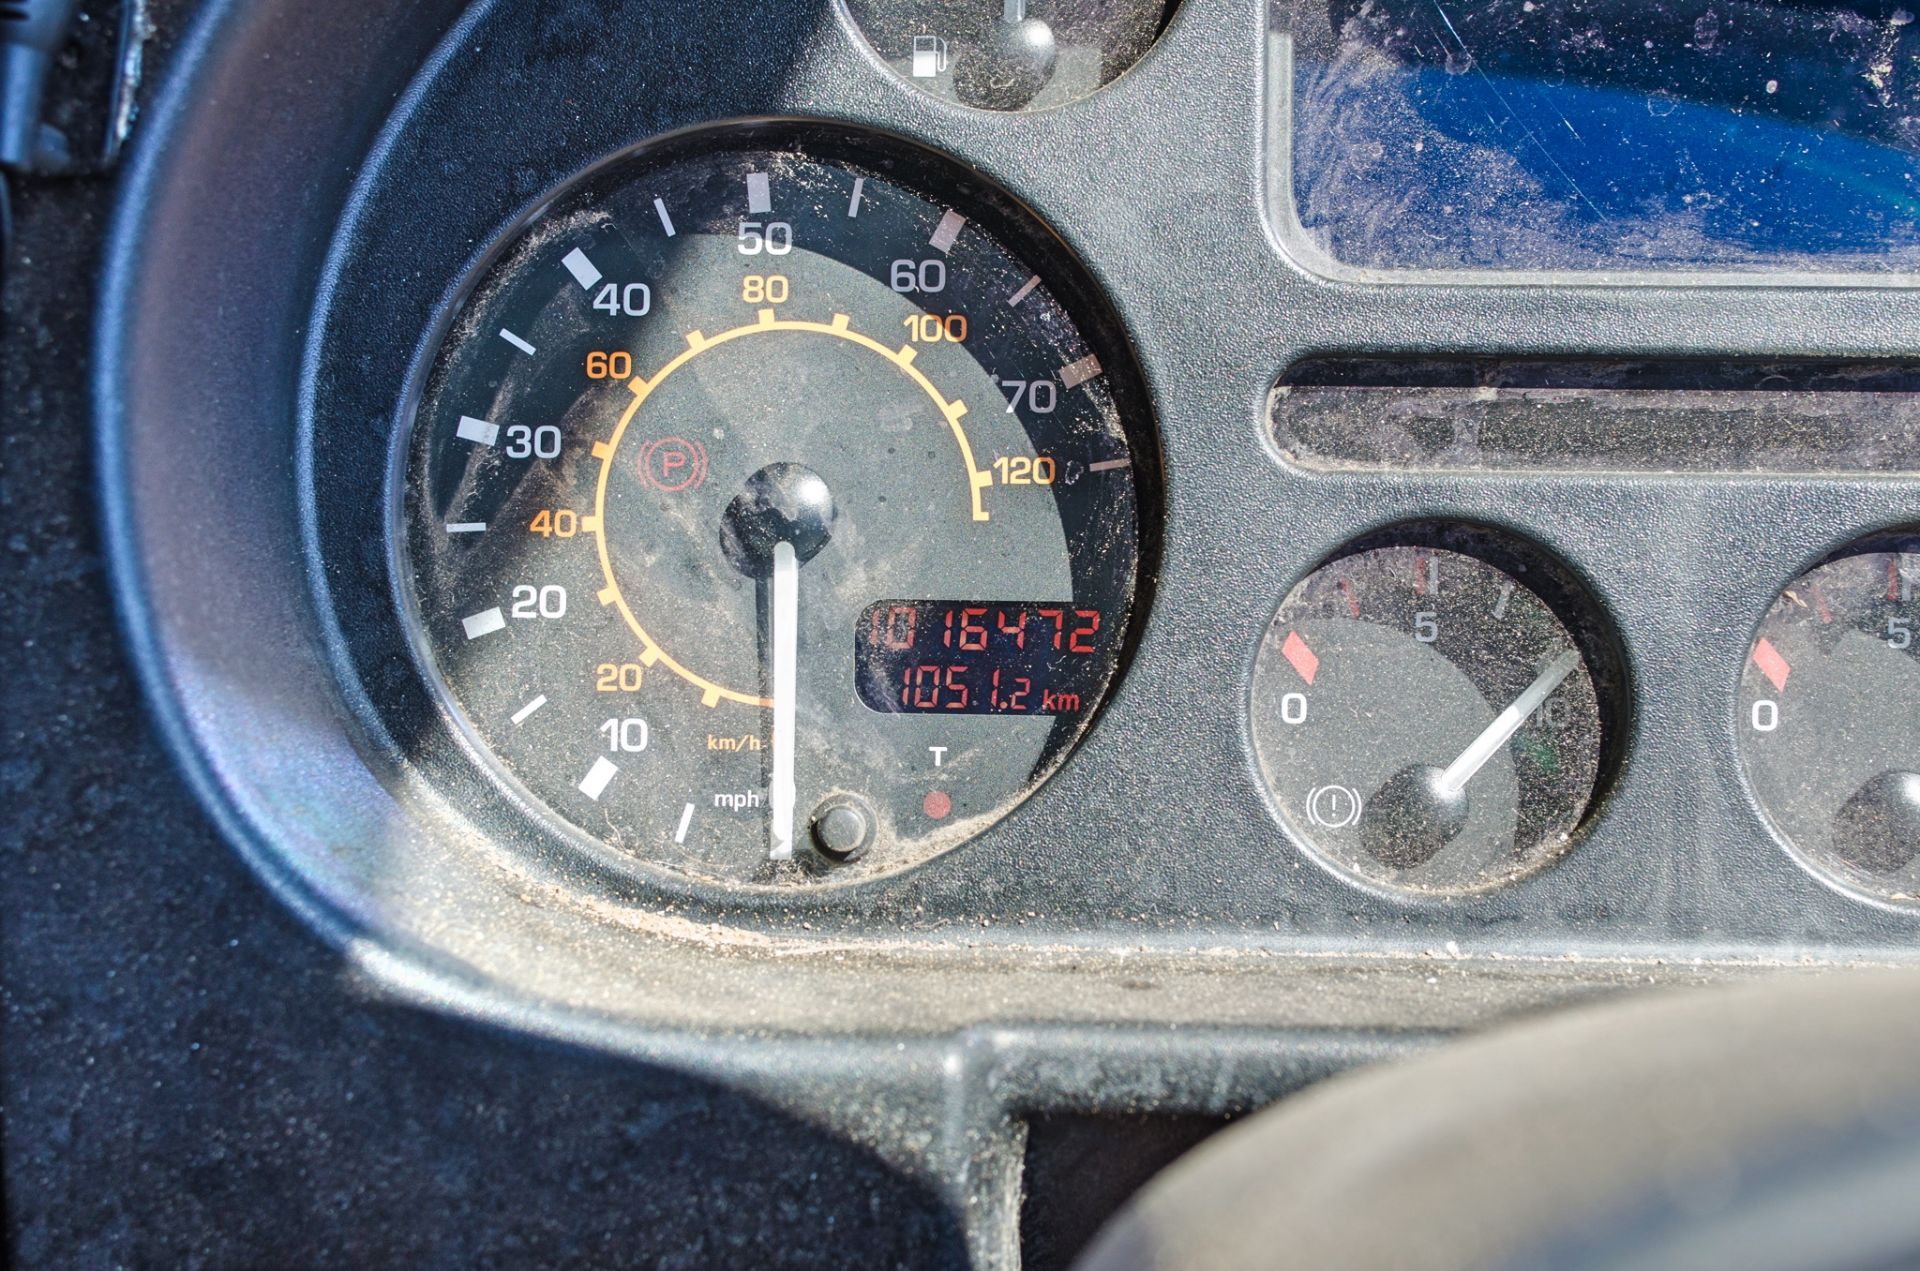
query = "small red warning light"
x=937 y=804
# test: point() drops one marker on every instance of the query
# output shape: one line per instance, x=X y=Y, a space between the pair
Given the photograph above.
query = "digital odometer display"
x=717 y=405
x=981 y=657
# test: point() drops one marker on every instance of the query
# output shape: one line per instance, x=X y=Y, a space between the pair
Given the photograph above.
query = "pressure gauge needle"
x=786 y=623
x=1497 y=734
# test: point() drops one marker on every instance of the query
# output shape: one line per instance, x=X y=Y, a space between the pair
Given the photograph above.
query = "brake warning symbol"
x=673 y=464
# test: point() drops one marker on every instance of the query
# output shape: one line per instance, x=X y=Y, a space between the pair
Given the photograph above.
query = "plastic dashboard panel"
x=1141 y=934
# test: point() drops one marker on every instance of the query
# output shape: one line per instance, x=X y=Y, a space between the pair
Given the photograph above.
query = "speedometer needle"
x=778 y=522
x=786 y=622
x=1505 y=725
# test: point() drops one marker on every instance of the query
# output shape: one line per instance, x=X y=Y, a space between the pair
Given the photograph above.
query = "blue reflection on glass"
x=1418 y=144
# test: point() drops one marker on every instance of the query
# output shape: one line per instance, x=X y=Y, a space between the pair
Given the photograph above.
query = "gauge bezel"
x=1898 y=537
x=1571 y=600
x=918 y=169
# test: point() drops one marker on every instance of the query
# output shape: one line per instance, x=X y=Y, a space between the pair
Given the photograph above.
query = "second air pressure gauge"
x=1829 y=719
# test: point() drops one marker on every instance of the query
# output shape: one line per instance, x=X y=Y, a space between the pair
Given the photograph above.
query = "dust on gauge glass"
x=1011 y=54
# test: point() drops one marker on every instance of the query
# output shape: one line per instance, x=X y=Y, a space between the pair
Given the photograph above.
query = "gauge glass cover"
x=1010 y=54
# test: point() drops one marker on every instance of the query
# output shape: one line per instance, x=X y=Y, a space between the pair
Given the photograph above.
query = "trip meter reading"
x=700 y=427
x=1830 y=717
x=1427 y=719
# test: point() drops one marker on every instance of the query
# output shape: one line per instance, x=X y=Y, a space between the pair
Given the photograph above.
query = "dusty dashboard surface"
x=954 y=593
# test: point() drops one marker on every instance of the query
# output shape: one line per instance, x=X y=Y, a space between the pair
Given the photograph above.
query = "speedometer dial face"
x=774 y=510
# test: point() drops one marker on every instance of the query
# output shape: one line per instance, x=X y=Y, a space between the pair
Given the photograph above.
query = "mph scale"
x=774 y=507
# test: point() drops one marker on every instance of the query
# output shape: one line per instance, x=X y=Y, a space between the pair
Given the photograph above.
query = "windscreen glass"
x=1599 y=134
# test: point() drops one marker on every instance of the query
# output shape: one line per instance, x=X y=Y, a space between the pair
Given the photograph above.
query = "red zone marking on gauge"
x=1300 y=657
x=1771 y=664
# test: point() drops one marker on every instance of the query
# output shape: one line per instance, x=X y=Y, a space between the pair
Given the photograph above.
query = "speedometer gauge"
x=774 y=508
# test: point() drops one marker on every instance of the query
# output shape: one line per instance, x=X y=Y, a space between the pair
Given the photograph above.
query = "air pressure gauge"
x=1434 y=711
x=1829 y=718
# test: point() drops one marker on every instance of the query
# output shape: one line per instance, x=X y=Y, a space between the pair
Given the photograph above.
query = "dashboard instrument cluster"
x=916 y=471
x=776 y=511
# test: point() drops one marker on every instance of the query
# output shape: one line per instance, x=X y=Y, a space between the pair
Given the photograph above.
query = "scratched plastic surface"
x=1601 y=134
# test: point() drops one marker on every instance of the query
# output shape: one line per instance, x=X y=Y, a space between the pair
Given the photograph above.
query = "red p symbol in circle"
x=673 y=464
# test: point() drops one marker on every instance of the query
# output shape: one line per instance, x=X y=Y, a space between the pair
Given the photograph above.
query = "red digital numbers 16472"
x=971 y=628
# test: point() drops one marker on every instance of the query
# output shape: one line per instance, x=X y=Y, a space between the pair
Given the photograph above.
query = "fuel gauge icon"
x=929 y=56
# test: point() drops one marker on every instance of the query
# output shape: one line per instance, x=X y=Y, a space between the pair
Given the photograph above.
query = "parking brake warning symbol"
x=673 y=464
